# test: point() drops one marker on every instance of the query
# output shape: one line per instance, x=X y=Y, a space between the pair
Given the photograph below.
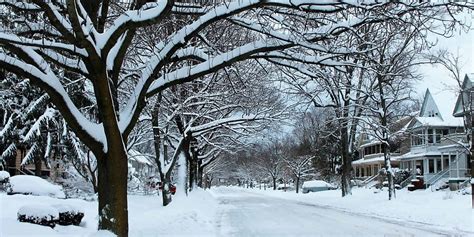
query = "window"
x=430 y=136
x=437 y=135
x=431 y=166
x=446 y=162
x=438 y=164
x=418 y=138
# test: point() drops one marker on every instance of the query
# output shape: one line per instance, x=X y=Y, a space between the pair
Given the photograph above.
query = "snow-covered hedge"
x=50 y=215
x=39 y=214
x=28 y=184
x=69 y=215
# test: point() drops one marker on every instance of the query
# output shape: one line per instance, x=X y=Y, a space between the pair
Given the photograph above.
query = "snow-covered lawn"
x=444 y=210
x=190 y=216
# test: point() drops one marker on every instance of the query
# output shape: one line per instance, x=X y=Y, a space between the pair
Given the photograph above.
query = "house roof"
x=373 y=160
x=437 y=110
x=139 y=157
x=466 y=85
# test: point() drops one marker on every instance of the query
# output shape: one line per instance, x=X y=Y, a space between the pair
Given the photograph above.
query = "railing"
x=438 y=176
x=368 y=180
x=407 y=181
x=465 y=184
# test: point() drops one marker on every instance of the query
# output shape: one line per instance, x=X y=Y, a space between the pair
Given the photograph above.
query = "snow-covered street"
x=248 y=213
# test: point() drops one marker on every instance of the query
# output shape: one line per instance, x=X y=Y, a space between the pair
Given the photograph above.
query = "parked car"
x=172 y=187
x=285 y=186
x=316 y=186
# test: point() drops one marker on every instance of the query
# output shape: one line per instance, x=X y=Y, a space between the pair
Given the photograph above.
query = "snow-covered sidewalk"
x=443 y=210
x=185 y=216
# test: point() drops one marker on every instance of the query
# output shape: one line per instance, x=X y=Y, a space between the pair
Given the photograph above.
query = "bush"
x=50 y=215
x=68 y=215
x=39 y=214
x=400 y=176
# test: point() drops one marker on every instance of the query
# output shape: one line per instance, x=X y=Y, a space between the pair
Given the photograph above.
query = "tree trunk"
x=165 y=192
x=388 y=169
x=297 y=184
x=112 y=164
x=112 y=187
x=37 y=160
x=200 y=174
x=346 y=164
x=274 y=183
x=193 y=170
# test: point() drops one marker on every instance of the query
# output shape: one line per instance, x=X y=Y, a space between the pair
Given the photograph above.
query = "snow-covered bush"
x=69 y=215
x=39 y=214
x=4 y=175
x=32 y=185
x=400 y=176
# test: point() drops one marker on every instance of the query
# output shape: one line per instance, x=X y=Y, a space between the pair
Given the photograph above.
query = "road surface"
x=248 y=214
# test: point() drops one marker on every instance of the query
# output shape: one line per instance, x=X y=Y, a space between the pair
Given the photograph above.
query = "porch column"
x=449 y=164
x=425 y=166
x=442 y=161
x=457 y=164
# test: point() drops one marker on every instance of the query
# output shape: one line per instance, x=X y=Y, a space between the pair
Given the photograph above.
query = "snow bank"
x=28 y=184
x=4 y=175
x=192 y=215
x=316 y=184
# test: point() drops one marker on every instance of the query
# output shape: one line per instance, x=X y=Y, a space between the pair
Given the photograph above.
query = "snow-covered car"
x=33 y=185
x=285 y=186
x=316 y=186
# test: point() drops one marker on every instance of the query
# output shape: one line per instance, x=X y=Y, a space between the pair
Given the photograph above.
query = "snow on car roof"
x=316 y=184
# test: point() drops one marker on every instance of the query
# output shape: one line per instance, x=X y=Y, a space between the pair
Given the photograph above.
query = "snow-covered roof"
x=437 y=110
x=372 y=160
x=411 y=155
x=139 y=157
x=371 y=143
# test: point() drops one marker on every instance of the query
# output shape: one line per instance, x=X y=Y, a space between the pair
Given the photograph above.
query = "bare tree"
x=92 y=39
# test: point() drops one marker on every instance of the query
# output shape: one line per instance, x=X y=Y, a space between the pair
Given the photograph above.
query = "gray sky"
x=436 y=78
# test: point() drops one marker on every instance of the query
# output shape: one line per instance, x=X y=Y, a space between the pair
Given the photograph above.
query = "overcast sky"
x=435 y=76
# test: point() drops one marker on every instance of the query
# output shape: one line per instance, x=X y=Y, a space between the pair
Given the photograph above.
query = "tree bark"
x=274 y=183
x=346 y=164
x=200 y=175
x=297 y=184
x=112 y=187
x=37 y=160
x=165 y=178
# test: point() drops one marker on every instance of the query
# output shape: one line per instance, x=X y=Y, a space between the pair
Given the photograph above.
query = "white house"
x=438 y=142
x=142 y=164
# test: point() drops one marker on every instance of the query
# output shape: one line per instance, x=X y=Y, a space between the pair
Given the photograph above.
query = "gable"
x=429 y=107
x=463 y=97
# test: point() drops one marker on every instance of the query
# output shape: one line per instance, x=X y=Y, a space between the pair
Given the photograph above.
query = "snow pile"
x=4 y=175
x=28 y=184
x=39 y=211
x=316 y=184
x=192 y=215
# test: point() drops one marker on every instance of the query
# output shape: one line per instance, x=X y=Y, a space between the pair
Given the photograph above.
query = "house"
x=14 y=167
x=438 y=148
x=371 y=158
x=142 y=164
